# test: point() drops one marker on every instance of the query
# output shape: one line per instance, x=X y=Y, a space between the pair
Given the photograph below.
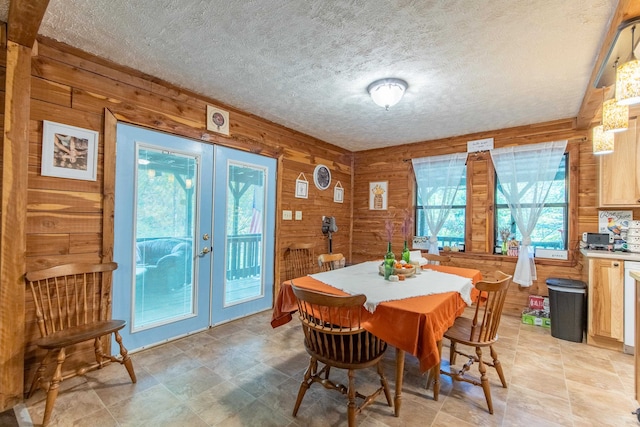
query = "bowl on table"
x=407 y=270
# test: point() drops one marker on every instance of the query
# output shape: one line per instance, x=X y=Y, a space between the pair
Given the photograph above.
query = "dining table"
x=411 y=315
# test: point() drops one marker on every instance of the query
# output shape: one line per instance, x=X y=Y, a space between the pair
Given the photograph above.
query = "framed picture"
x=217 y=120
x=338 y=193
x=69 y=152
x=302 y=187
x=378 y=195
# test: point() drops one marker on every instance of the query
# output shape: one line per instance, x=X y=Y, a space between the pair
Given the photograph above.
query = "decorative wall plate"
x=322 y=177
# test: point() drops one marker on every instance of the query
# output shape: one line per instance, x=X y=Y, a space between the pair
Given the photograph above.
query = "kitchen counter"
x=624 y=256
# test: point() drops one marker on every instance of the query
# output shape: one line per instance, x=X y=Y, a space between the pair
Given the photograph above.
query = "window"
x=452 y=232
x=552 y=227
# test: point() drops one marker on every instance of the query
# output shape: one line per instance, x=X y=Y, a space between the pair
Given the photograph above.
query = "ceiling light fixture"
x=628 y=78
x=387 y=92
x=602 y=141
x=615 y=117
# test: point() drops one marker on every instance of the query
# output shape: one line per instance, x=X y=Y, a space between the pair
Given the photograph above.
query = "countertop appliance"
x=629 y=305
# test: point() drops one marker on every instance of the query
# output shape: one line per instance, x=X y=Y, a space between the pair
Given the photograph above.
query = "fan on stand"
x=328 y=228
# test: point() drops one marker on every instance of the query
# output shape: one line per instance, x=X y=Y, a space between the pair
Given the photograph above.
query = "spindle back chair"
x=73 y=305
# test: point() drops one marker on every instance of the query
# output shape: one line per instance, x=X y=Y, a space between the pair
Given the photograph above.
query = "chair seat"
x=79 y=334
x=461 y=331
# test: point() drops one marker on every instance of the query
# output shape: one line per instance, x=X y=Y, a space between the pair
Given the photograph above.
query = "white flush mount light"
x=387 y=92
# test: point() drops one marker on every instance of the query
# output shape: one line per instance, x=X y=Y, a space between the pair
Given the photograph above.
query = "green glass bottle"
x=406 y=254
x=389 y=262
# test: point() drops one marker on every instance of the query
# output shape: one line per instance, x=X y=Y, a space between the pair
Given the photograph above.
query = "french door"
x=194 y=235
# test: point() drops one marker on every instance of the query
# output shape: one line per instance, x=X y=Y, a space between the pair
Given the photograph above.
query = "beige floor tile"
x=245 y=373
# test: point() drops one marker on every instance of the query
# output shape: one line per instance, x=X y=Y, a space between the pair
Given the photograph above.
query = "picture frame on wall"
x=69 y=152
x=217 y=120
x=302 y=187
x=338 y=193
x=378 y=195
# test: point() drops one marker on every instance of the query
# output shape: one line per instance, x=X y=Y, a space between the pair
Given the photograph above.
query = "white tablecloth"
x=365 y=279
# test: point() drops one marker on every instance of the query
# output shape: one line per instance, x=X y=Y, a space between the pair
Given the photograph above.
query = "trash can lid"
x=566 y=283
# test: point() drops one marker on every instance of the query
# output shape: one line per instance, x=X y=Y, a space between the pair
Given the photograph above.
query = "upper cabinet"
x=619 y=177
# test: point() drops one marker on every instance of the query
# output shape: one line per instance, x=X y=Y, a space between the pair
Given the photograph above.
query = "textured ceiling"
x=471 y=65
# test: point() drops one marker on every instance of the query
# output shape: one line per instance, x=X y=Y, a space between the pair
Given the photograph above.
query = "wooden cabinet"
x=619 y=175
x=637 y=353
x=606 y=303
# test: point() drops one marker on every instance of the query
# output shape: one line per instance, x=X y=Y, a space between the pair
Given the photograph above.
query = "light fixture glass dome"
x=387 y=92
x=602 y=141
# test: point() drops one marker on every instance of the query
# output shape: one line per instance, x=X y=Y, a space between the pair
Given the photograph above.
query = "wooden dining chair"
x=300 y=260
x=436 y=259
x=328 y=262
x=480 y=331
x=334 y=336
x=73 y=305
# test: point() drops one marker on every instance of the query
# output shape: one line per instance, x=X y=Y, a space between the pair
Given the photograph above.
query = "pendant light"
x=615 y=117
x=628 y=78
x=602 y=141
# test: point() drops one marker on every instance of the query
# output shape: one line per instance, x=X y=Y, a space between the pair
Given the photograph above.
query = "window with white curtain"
x=526 y=174
x=453 y=229
x=551 y=230
x=438 y=179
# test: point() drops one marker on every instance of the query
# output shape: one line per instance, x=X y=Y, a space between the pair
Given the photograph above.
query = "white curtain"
x=525 y=174
x=438 y=179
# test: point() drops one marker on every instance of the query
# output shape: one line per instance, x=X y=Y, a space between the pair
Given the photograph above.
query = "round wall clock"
x=322 y=177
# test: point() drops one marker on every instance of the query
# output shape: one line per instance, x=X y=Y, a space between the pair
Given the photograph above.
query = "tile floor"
x=246 y=374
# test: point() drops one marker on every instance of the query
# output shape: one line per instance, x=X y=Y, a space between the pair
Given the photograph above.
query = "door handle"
x=204 y=251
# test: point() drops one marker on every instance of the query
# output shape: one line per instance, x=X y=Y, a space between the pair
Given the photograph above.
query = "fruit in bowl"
x=405 y=269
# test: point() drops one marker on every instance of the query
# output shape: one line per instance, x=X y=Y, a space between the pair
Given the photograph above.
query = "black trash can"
x=568 y=308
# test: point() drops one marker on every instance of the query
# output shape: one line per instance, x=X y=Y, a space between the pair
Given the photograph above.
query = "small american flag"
x=256 y=217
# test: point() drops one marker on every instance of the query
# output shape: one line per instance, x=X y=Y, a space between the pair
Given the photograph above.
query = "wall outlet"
x=298 y=215
x=286 y=215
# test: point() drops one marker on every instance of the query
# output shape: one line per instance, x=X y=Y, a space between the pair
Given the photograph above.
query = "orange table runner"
x=413 y=324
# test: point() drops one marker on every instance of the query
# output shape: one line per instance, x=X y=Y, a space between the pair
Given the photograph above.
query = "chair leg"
x=452 y=353
x=384 y=384
x=498 y=366
x=126 y=360
x=39 y=376
x=484 y=380
x=351 y=406
x=52 y=393
x=306 y=382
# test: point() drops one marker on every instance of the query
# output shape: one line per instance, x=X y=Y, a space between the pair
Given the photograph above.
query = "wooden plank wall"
x=390 y=164
x=65 y=217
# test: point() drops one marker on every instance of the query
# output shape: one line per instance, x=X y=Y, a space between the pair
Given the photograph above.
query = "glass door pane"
x=165 y=236
x=245 y=204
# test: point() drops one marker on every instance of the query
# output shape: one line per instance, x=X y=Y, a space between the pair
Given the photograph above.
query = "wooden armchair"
x=300 y=260
x=328 y=262
x=73 y=305
x=334 y=336
x=479 y=332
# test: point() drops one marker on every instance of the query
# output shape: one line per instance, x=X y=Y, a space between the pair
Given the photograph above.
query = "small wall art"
x=217 y=120
x=338 y=193
x=378 y=195
x=302 y=187
x=69 y=151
